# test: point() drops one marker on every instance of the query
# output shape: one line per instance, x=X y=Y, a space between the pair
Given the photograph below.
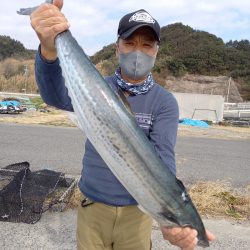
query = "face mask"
x=136 y=64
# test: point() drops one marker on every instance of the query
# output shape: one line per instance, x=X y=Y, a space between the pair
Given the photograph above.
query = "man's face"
x=143 y=39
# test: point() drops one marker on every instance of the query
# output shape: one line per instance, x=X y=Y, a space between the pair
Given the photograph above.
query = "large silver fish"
x=115 y=134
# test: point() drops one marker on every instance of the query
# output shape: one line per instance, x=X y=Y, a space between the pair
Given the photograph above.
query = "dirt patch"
x=54 y=117
x=215 y=131
x=200 y=84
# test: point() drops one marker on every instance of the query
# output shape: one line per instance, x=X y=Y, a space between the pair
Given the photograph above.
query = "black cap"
x=132 y=21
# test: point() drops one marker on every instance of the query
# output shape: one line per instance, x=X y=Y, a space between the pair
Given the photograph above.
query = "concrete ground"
x=57 y=231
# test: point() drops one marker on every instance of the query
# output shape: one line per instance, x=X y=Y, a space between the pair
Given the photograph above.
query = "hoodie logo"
x=142 y=16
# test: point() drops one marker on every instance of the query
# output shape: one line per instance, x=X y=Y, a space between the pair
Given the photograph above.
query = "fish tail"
x=28 y=11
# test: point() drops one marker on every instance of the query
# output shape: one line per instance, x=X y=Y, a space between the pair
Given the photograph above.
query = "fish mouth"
x=203 y=242
x=202 y=237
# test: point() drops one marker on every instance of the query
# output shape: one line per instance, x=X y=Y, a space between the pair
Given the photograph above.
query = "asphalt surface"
x=61 y=149
x=213 y=159
x=55 y=148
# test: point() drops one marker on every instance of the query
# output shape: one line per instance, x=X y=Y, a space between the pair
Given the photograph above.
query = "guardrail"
x=6 y=94
x=236 y=113
x=237 y=106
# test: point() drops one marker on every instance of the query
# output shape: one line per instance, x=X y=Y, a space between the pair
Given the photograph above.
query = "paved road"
x=49 y=147
x=214 y=159
x=62 y=148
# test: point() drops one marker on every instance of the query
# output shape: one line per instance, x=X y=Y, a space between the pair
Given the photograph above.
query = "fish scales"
x=108 y=122
x=115 y=134
x=124 y=147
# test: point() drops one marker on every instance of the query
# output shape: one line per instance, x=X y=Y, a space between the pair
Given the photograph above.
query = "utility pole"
x=229 y=85
x=26 y=72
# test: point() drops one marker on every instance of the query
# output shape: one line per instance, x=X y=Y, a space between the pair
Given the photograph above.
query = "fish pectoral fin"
x=169 y=216
x=143 y=210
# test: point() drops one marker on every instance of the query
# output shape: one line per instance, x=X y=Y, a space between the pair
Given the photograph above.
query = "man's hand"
x=185 y=238
x=48 y=22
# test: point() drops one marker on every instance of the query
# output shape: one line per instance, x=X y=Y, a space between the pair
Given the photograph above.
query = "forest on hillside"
x=17 y=75
x=13 y=48
x=182 y=50
x=16 y=66
x=185 y=50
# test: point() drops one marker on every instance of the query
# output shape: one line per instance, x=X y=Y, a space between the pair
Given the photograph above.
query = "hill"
x=184 y=50
x=12 y=48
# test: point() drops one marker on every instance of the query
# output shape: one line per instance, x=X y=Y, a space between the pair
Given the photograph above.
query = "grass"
x=218 y=199
x=71 y=201
x=75 y=198
x=37 y=101
x=212 y=200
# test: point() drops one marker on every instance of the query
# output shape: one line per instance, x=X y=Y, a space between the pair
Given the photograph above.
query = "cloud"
x=94 y=23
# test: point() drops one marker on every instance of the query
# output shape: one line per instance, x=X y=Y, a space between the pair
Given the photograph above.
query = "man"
x=108 y=216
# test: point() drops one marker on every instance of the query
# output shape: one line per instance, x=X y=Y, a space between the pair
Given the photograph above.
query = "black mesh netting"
x=25 y=195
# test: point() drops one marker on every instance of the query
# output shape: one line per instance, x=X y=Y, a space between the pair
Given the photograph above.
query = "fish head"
x=183 y=213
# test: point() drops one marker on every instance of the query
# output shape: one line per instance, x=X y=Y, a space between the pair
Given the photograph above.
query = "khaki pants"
x=102 y=227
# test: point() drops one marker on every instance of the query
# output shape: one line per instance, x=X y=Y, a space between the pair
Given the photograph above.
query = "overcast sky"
x=94 y=22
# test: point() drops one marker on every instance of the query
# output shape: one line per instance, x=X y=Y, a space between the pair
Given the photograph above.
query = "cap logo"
x=142 y=16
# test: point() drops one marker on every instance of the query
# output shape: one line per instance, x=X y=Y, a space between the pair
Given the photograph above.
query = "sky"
x=94 y=23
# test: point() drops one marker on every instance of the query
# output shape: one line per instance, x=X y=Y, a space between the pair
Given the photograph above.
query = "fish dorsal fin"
x=124 y=100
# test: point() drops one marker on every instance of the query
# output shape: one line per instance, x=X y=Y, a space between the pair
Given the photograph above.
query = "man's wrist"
x=48 y=55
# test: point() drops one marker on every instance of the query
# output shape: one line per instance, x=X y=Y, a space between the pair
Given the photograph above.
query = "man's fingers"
x=188 y=243
x=44 y=10
x=170 y=232
x=191 y=245
x=185 y=237
x=58 y=4
x=49 y=22
x=179 y=233
x=59 y=28
x=48 y=16
x=210 y=236
x=47 y=10
x=186 y=233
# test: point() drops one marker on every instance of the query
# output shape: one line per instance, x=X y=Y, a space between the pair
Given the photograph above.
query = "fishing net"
x=25 y=195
